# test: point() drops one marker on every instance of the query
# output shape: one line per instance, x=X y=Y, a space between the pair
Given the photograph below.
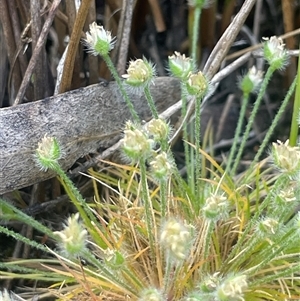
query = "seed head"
x=98 y=40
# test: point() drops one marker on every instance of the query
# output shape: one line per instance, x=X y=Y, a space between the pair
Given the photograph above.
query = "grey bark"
x=82 y=120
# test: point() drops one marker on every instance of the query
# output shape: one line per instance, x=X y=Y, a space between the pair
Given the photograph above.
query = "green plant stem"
x=80 y=204
x=197 y=143
x=163 y=198
x=147 y=205
x=259 y=98
x=9 y=271
x=23 y=239
x=187 y=148
x=196 y=27
x=238 y=130
x=272 y=127
x=296 y=111
x=208 y=236
x=150 y=102
x=114 y=72
x=21 y=216
x=168 y=274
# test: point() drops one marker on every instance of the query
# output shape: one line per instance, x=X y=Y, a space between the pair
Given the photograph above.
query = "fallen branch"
x=83 y=121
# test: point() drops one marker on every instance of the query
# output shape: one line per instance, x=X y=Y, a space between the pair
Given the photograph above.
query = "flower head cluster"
x=215 y=207
x=197 y=84
x=48 y=153
x=161 y=166
x=210 y=283
x=73 y=237
x=151 y=294
x=98 y=40
x=176 y=238
x=286 y=198
x=139 y=73
x=286 y=157
x=267 y=227
x=136 y=144
x=180 y=65
x=158 y=129
x=232 y=288
x=275 y=52
x=251 y=82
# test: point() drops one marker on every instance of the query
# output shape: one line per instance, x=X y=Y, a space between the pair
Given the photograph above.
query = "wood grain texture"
x=82 y=120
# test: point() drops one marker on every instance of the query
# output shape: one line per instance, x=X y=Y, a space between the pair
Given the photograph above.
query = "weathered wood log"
x=82 y=120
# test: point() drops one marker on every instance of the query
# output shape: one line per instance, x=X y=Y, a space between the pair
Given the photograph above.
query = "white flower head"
x=136 y=143
x=98 y=40
x=48 y=153
x=151 y=294
x=215 y=207
x=73 y=237
x=275 y=52
x=140 y=73
x=251 y=81
x=180 y=66
x=232 y=288
x=162 y=166
x=176 y=238
x=197 y=84
x=286 y=157
x=267 y=227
